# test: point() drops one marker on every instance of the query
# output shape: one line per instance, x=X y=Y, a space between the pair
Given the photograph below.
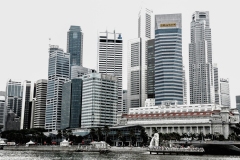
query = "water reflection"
x=32 y=155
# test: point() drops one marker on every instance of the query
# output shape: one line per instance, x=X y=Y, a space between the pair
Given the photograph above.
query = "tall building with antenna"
x=110 y=52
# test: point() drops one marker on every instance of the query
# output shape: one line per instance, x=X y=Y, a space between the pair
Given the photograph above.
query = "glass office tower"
x=71 y=104
x=168 y=58
x=75 y=46
x=58 y=73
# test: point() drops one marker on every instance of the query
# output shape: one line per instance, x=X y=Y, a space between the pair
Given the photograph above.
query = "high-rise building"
x=200 y=60
x=138 y=60
x=79 y=71
x=125 y=108
x=110 y=52
x=224 y=92
x=168 y=58
x=75 y=45
x=13 y=100
x=238 y=103
x=40 y=103
x=58 y=73
x=99 y=100
x=2 y=106
x=185 y=101
x=12 y=121
x=216 y=84
x=151 y=68
x=26 y=109
x=71 y=104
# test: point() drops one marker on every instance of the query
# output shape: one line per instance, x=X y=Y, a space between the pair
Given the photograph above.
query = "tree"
x=106 y=130
x=132 y=136
x=119 y=135
x=144 y=136
x=99 y=133
x=92 y=132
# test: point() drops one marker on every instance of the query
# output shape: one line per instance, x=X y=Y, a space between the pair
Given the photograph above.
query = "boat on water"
x=101 y=147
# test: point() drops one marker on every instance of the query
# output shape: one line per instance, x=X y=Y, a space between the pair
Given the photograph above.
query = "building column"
x=150 y=131
x=210 y=130
x=167 y=129
x=178 y=130
x=204 y=130
x=197 y=129
x=161 y=129
x=191 y=131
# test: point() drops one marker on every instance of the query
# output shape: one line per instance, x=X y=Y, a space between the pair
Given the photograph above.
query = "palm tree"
x=106 y=130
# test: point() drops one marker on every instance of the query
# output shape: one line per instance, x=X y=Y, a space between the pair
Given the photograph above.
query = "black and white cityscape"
x=163 y=95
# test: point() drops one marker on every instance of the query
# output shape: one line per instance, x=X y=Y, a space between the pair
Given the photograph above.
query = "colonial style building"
x=170 y=117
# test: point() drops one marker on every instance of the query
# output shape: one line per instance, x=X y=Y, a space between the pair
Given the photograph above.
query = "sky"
x=26 y=27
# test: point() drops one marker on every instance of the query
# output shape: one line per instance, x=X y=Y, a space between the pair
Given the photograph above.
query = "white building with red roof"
x=170 y=117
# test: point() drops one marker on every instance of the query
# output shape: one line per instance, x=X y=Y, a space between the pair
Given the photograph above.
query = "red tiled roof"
x=168 y=115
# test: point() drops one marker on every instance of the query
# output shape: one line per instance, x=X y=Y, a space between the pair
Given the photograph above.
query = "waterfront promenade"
x=70 y=148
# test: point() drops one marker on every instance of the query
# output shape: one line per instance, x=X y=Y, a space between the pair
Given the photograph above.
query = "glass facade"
x=25 y=112
x=238 y=103
x=58 y=73
x=150 y=69
x=75 y=45
x=71 y=104
x=168 y=59
x=14 y=97
x=2 y=104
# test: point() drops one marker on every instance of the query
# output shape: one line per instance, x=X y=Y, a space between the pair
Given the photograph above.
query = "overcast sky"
x=27 y=25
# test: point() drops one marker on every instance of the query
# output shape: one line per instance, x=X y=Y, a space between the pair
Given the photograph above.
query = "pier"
x=190 y=151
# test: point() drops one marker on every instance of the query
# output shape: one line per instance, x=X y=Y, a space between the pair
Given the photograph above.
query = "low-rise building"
x=170 y=117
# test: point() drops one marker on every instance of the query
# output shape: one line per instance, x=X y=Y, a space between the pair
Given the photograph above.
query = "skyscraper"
x=168 y=58
x=137 y=60
x=151 y=68
x=110 y=58
x=75 y=45
x=238 y=103
x=2 y=106
x=99 y=100
x=13 y=97
x=58 y=73
x=40 y=103
x=125 y=108
x=200 y=60
x=26 y=110
x=216 y=84
x=71 y=104
x=225 y=92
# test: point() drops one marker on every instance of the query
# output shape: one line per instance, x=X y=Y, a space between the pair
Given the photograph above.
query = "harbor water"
x=37 y=155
